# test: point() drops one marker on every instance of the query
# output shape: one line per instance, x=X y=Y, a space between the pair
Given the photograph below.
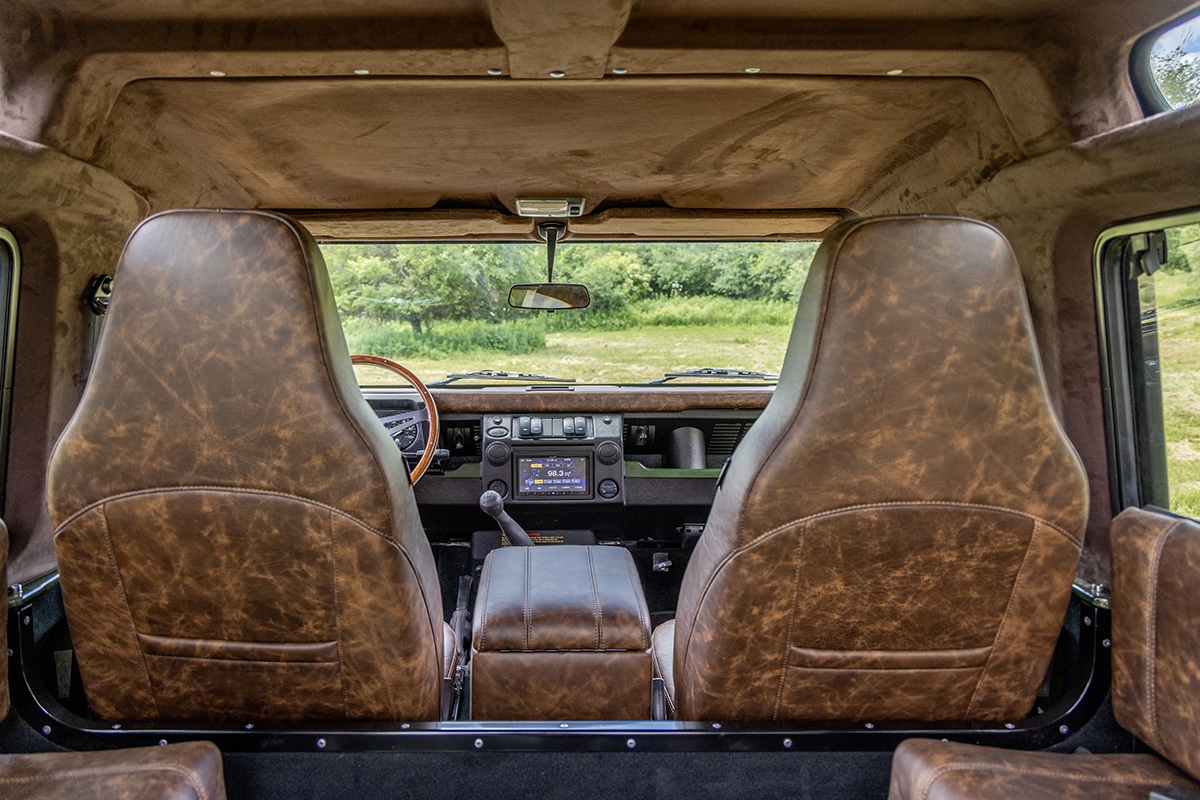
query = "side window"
x=1150 y=279
x=1166 y=66
x=10 y=282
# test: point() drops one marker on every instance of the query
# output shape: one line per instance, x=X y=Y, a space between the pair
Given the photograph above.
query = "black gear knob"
x=492 y=504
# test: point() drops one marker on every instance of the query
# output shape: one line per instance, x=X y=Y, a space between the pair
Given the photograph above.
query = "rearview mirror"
x=549 y=296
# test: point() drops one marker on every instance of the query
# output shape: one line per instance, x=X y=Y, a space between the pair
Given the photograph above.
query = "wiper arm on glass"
x=499 y=375
x=722 y=374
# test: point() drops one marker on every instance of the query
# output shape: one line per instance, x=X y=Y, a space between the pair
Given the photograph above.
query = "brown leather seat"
x=1156 y=645
x=896 y=536
x=184 y=771
x=236 y=534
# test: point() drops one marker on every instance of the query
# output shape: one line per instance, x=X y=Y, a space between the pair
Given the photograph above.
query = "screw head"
x=787 y=744
x=619 y=70
x=495 y=71
x=870 y=726
x=716 y=726
x=752 y=70
x=1010 y=726
x=249 y=726
x=404 y=726
x=479 y=744
x=630 y=743
x=162 y=742
x=321 y=744
x=1064 y=729
x=45 y=730
x=558 y=73
x=1087 y=621
x=1107 y=643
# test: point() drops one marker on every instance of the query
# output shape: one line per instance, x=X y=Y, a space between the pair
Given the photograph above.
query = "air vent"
x=725 y=437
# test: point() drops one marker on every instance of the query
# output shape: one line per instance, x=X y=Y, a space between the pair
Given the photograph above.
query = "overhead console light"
x=550 y=206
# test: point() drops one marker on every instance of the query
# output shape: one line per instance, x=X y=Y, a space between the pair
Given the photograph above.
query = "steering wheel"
x=398 y=425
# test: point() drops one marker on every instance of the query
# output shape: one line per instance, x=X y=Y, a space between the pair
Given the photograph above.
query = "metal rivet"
x=405 y=726
x=249 y=726
x=216 y=73
x=479 y=744
x=26 y=620
x=752 y=70
x=716 y=726
x=162 y=742
x=895 y=72
x=787 y=744
x=45 y=730
x=320 y=744
x=1087 y=621
x=630 y=743
x=495 y=71
x=558 y=73
x=116 y=727
x=1107 y=643
x=870 y=726
x=1009 y=725
x=619 y=70
x=1064 y=730
x=362 y=72
x=563 y=725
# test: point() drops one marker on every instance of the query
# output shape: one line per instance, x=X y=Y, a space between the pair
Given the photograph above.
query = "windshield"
x=656 y=309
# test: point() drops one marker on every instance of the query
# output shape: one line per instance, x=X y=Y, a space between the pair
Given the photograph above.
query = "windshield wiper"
x=722 y=374
x=500 y=375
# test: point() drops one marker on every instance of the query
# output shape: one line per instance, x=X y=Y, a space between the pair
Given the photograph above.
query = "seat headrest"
x=223 y=363
x=911 y=376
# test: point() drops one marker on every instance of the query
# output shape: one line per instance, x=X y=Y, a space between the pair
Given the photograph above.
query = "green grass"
x=1178 y=298
x=627 y=356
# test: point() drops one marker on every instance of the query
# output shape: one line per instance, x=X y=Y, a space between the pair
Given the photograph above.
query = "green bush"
x=711 y=310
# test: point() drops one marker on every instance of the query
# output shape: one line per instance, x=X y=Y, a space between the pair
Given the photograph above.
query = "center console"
x=554 y=458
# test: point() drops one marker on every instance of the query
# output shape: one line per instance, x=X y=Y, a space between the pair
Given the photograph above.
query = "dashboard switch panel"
x=555 y=458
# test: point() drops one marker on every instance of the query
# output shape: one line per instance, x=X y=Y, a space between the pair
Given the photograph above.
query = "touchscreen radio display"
x=552 y=476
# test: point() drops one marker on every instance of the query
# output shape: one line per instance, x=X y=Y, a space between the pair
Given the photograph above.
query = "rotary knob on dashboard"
x=608 y=453
x=497 y=454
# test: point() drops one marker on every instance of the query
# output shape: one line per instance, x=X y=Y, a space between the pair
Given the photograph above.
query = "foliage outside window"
x=656 y=308
x=1175 y=64
x=1165 y=348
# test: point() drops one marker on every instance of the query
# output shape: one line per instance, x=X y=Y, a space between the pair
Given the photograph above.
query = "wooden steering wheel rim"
x=434 y=424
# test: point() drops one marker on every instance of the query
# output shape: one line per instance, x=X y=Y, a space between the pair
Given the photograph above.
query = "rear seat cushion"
x=924 y=769
x=186 y=771
x=1156 y=639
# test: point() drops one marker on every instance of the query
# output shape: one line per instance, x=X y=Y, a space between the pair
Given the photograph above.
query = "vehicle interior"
x=645 y=398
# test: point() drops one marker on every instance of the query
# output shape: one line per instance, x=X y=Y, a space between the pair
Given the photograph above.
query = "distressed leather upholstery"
x=1156 y=651
x=236 y=533
x=561 y=632
x=186 y=771
x=896 y=537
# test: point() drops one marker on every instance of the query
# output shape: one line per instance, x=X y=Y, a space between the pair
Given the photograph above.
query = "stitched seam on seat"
x=1151 y=690
x=919 y=504
x=337 y=620
x=112 y=557
x=1033 y=538
x=637 y=593
x=229 y=489
x=235 y=661
x=483 y=615
x=787 y=648
x=122 y=769
x=597 y=610
x=525 y=610
x=1041 y=772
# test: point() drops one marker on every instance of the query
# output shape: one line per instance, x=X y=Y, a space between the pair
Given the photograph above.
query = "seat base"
x=924 y=769
x=185 y=771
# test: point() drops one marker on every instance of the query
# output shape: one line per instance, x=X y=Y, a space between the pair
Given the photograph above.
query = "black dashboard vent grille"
x=725 y=437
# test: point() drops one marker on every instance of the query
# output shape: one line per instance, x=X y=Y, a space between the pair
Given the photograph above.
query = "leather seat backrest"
x=896 y=536
x=1156 y=632
x=236 y=533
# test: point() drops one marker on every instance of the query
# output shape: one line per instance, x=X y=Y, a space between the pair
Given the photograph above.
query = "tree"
x=1178 y=76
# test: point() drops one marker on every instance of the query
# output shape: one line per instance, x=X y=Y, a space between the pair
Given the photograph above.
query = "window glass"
x=1175 y=64
x=1161 y=272
x=443 y=310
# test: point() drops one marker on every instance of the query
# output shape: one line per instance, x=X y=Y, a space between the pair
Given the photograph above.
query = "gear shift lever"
x=492 y=504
